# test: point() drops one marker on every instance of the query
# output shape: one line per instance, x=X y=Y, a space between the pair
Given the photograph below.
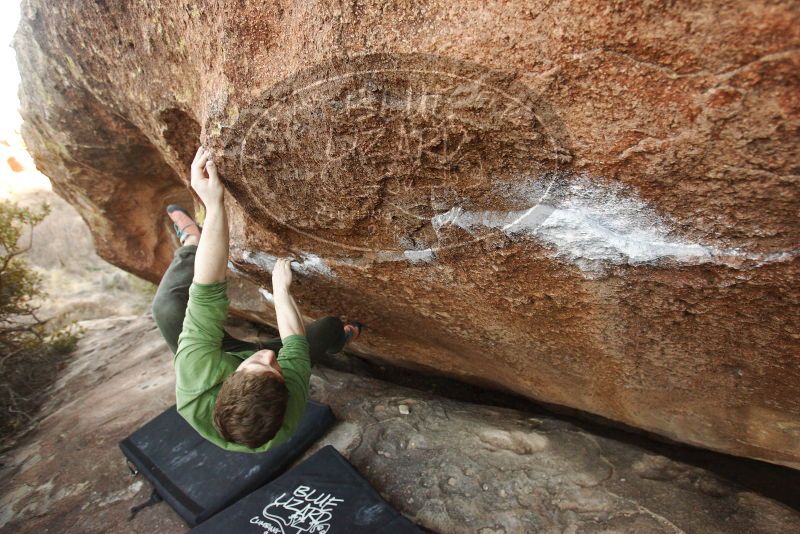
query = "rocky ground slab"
x=451 y=466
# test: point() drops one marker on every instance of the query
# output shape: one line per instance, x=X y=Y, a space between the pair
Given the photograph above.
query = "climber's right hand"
x=281 y=275
x=205 y=180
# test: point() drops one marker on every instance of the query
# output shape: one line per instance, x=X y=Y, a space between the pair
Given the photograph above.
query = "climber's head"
x=263 y=361
x=251 y=402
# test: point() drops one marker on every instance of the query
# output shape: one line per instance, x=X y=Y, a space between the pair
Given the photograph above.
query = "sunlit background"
x=77 y=283
x=17 y=171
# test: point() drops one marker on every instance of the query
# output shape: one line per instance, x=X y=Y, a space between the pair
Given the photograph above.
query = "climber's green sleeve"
x=201 y=366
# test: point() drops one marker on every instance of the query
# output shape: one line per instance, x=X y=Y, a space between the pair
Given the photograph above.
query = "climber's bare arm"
x=289 y=321
x=211 y=262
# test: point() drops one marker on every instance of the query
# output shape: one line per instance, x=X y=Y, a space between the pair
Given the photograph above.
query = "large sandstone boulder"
x=587 y=203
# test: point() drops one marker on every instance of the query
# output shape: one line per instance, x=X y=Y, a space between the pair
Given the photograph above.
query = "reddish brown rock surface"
x=589 y=204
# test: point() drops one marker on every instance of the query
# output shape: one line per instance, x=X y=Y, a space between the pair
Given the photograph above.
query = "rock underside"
x=591 y=204
x=450 y=466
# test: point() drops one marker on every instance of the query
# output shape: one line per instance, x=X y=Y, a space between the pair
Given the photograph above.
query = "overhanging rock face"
x=589 y=205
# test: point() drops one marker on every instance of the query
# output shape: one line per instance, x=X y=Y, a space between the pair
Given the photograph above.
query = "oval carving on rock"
x=362 y=155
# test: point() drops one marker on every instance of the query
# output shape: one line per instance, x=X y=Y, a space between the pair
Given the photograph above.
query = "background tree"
x=29 y=354
x=20 y=328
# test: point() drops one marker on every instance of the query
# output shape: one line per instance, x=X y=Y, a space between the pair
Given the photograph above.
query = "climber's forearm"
x=297 y=312
x=211 y=261
x=290 y=323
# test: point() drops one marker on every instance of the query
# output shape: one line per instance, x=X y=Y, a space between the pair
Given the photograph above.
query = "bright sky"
x=12 y=182
x=9 y=117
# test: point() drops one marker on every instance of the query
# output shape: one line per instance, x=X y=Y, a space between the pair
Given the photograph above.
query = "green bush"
x=20 y=329
x=29 y=354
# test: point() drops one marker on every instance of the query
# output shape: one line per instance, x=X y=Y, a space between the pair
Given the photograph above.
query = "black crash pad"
x=322 y=495
x=197 y=478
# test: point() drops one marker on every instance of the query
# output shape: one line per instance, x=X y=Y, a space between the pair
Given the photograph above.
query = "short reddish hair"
x=250 y=407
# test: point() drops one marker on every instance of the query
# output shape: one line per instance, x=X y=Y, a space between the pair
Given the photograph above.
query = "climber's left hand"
x=205 y=179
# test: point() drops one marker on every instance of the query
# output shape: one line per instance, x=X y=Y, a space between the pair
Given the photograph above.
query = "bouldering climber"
x=239 y=395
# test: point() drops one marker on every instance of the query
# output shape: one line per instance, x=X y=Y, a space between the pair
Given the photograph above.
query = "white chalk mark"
x=310 y=264
x=313 y=264
x=260 y=259
x=233 y=268
x=267 y=295
x=593 y=224
x=589 y=222
x=535 y=215
x=419 y=256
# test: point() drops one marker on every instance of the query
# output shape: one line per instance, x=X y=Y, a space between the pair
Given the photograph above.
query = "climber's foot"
x=186 y=229
x=352 y=330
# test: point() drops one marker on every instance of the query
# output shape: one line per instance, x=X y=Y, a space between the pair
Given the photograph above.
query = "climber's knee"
x=168 y=316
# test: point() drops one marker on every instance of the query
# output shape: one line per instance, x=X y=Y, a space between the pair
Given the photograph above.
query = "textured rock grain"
x=625 y=180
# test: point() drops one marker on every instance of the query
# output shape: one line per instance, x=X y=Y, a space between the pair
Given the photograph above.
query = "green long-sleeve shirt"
x=201 y=366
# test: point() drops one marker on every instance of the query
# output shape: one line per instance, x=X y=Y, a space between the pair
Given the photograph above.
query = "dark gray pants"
x=169 y=308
